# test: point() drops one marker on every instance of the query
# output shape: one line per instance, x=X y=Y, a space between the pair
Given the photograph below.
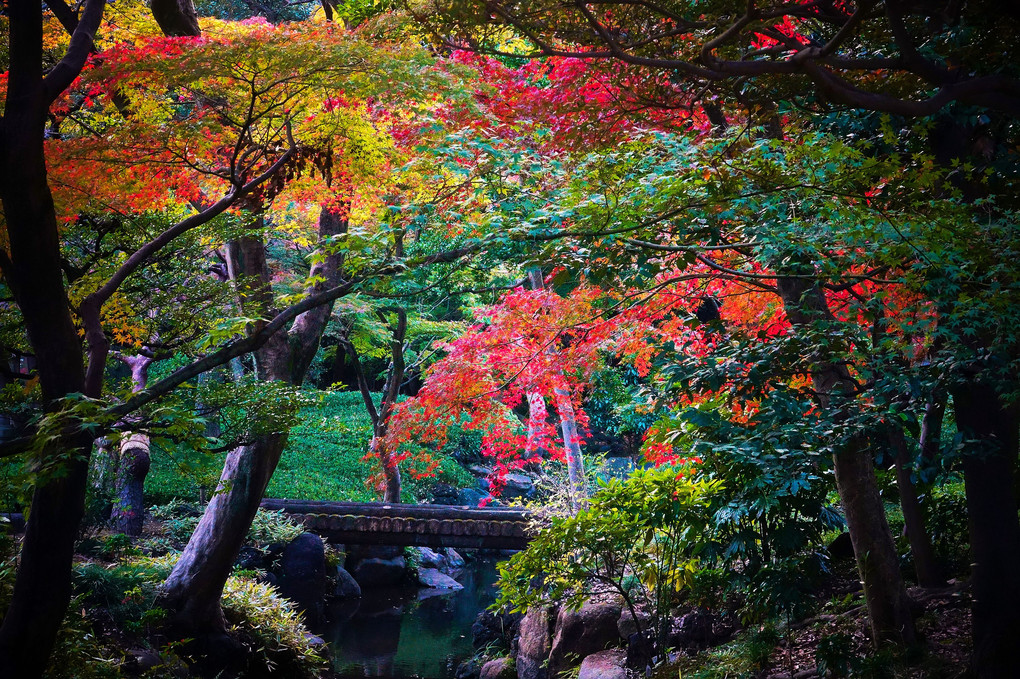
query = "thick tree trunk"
x=930 y=440
x=132 y=467
x=103 y=470
x=877 y=562
x=33 y=272
x=194 y=587
x=926 y=565
x=42 y=589
x=989 y=467
x=176 y=17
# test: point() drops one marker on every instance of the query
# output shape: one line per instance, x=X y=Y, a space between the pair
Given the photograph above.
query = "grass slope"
x=323 y=460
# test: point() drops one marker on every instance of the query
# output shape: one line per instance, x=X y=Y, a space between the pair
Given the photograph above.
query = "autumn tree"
x=244 y=147
x=742 y=59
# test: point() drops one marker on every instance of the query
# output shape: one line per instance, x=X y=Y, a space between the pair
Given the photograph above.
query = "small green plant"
x=79 y=653
x=127 y=590
x=412 y=558
x=745 y=657
x=118 y=545
x=947 y=521
x=835 y=655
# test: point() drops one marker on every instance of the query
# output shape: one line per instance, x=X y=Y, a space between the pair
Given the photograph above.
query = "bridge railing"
x=405 y=524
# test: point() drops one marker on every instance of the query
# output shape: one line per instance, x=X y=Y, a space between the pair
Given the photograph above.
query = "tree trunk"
x=877 y=562
x=930 y=440
x=392 y=484
x=926 y=565
x=176 y=17
x=132 y=467
x=578 y=489
x=989 y=467
x=133 y=461
x=572 y=446
x=33 y=273
x=103 y=469
x=537 y=414
x=194 y=587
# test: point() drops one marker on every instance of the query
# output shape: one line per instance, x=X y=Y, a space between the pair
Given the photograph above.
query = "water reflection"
x=409 y=633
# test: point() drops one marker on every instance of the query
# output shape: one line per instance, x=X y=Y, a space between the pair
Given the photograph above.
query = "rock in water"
x=430 y=577
x=380 y=572
x=303 y=573
x=376 y=566
x=346 y=586
x=495 y=630
x=453 y=558
x=431 y=559
x=469 y=669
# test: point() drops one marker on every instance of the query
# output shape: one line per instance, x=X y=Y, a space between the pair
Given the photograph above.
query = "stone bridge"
x=351 y=523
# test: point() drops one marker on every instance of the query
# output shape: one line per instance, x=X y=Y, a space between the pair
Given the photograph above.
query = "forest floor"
x=836 y=641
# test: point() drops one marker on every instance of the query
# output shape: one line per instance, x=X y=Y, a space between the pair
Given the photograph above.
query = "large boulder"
x=535 y=642
x=469 y=669
x=471 y=496
x=500 y=668
x=694 y=630
x=580 y=633
x=432 y=578
x=378 y=572
x=627 y=625
x=303 y=573
x=249 y=558
x=376 y=566
x=429 y=558
x=346 y=586
x=517 y=486
x=444 y=494
x=610 y=664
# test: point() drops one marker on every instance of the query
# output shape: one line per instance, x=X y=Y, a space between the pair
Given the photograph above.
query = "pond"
x=409 y=633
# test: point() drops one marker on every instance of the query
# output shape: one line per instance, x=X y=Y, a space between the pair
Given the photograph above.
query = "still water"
x=409 y=633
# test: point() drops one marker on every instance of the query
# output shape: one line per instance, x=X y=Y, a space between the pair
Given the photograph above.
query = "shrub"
x=179 y=523
x=273 y=526
x=256 y=610
x=652 y=526
x=947 y=521
x=745 y=657
x=127 y=590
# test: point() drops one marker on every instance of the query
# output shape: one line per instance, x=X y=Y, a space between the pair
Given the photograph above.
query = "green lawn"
x=322 y=460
